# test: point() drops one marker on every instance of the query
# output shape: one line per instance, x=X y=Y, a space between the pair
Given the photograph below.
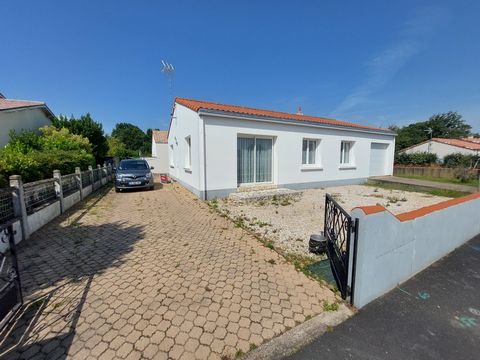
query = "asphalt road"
x=434 y=315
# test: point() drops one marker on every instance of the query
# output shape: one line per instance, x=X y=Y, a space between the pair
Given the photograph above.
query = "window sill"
x=347 y=167
x=311 y=168
x=188 y=170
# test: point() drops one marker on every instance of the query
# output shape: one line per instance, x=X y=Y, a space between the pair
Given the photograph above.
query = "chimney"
x=299 y=111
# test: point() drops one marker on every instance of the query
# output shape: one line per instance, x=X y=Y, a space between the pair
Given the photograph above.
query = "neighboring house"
x=215 y=149
x=159 y=159
x=443 y=147
x=21 y=115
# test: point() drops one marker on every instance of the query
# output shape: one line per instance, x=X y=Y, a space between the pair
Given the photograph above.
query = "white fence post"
x=90 y=169
x=19 y=204
x=58 y=187
x=78 y=175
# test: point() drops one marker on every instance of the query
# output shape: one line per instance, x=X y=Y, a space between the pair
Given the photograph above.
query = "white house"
x=21 y=115
x=216 y=149
x=159 y=159
x=443 y=147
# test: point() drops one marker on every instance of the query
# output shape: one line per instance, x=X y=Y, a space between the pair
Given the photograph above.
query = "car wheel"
x=117 y=190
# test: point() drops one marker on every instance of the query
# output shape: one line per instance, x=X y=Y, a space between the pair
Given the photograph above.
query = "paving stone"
x=140 y=289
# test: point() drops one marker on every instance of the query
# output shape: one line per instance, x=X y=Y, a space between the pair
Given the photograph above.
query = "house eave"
x=226 y=114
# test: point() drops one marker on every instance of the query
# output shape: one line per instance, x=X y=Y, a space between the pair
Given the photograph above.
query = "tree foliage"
x=463 y=160
x=116 y=148
x=447 y=125
x=34 y=156
x=88 y=128
x=134 y=139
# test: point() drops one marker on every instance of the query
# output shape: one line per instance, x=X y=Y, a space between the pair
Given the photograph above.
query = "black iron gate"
x=338 y=229
x=10 y=289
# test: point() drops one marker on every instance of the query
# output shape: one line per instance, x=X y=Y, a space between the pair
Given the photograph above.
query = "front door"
x=254 y=160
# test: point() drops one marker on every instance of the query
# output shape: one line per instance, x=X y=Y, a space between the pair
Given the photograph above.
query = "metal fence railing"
x=86 y=179
x=69 y=184
x=96 y=175
x=38 y=194
x=6 y=205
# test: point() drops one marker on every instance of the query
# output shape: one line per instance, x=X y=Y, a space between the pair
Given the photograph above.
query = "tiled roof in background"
x=160 y=137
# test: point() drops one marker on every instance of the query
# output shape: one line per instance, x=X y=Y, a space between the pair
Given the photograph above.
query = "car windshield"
x=133 y=165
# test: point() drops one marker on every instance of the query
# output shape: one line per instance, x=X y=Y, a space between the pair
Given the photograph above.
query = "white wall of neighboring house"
x=21 y=119
x=220 y=147
x=159 y=159
x=441 y=149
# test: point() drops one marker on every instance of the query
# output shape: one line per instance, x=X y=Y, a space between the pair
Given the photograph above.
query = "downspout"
x=204 y=161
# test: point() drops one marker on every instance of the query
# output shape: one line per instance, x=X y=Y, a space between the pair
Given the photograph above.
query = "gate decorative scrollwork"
x=338 y=229
x=10 y=289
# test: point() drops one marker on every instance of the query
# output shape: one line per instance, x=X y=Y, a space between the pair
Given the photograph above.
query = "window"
x=254 y=160
x=309 y=149
x=188 y=155
x=346 y=152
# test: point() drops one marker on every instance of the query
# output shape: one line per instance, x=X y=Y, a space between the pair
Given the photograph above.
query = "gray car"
x=133 y=174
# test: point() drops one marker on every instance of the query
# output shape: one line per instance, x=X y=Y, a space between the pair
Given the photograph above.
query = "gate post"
x=19 y=207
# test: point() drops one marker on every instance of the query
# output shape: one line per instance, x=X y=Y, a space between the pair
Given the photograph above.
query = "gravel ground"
x=289 y=222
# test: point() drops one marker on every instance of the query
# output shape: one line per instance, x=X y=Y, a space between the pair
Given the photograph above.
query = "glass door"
x=254 y=160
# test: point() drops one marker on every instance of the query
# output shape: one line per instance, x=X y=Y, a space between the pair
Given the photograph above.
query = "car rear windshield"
x=133 y=165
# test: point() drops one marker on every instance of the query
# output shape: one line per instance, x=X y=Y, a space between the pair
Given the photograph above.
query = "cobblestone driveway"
x=153 y=275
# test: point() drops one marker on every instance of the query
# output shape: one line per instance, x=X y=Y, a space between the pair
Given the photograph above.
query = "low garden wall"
x=391 y=249
x=32 y=205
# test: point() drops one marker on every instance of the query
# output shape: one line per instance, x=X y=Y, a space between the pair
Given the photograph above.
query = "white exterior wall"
x=23 y=119
x=440 y=149
x=288 y=171
x=186 y=122
x=159 y=159
x=391 y=251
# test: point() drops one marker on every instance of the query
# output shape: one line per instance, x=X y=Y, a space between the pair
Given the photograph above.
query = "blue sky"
x=372 y=62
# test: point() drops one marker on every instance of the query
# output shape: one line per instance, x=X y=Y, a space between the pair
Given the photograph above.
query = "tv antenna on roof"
x=168 y=70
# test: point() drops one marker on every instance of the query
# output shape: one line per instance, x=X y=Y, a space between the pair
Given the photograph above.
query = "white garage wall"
x=221 y=151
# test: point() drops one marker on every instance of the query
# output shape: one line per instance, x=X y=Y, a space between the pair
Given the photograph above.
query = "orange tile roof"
x=197 y=105
x=160 y=137
x=462 y=143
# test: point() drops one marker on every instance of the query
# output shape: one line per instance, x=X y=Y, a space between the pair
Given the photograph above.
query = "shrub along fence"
x=434 y=171
x=32 y=205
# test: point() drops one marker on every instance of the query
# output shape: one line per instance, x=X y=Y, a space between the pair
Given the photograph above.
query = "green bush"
x=462 y=160
x=420 y=158
x=34 y=157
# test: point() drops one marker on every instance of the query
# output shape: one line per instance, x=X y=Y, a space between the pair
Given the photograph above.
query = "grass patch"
x=330 y=307
x=471 y=182
x=238 y=354
x=410 y=188
x=252 y=346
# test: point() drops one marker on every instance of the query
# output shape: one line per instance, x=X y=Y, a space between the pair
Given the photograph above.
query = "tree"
x=447 y=125
x=133 y=137
x=86 y=127
x=118 y=149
